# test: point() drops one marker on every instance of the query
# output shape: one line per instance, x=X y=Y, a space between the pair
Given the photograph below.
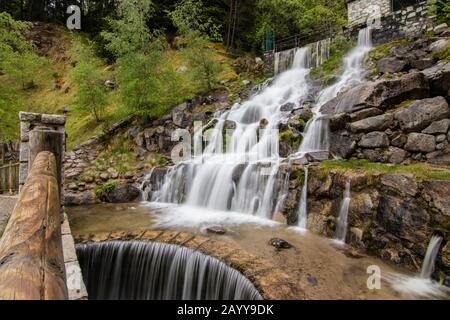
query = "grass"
x=333 y=66
x=402 y=105
x=81 y=126
x=421 y=171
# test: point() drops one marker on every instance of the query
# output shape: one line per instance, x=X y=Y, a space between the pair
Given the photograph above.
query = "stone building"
x=390 y=19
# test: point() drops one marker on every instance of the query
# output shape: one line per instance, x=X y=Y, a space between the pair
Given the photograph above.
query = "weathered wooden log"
x=31 y=255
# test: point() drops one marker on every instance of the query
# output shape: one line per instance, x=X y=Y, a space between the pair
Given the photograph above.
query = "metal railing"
x=9 y=178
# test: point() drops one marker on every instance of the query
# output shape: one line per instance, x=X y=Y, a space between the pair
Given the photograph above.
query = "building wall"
x=361 y=11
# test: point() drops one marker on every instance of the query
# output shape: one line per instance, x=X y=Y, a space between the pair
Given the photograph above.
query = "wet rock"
x=280 y=244
x=377 y=123
x=339 y=121
x=437 y=192
x=398 y=140
x=179 y=115
x=317 y=156
x=216 y=230
x=229 y=125
x=342 y=146
x=420 y=114
x=439 y=78
x=441 y=28
x=391 y=65
x=365 y=113
x=305 y=113
x=441 y=126
x=422 y=64
x=419 y=142
x=400 y=184
x=439 y=45
x=403 y=218
x=396 y=155
x=313 y=281
x=123 y=194
x=374 y=140
x=129 y=175
x=288 y=107
x=380 y=94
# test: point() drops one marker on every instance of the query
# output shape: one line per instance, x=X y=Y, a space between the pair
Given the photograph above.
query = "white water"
x=422 y=286
x=430 y=257
x=316 y=135
x=342 y=221
x=303 y=205
x=241 y=174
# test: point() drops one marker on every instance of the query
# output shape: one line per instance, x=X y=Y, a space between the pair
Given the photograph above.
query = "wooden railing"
x=31 y=254
x=9 y=178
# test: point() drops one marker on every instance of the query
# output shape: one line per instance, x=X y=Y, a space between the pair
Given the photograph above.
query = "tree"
x=129 y=33
x=90 y=94
x=201 y=59
x=191 y=15
x=17 y=59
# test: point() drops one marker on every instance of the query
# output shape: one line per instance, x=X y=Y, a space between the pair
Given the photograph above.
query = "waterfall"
x=430 y=257
x=240 y=175
x=342 y=221
x=303 y=205
x=153 y=271
x=320 y=52
x=422 y=285
x=316 y=133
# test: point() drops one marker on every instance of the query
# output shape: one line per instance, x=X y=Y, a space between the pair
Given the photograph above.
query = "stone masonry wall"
x=360 y=11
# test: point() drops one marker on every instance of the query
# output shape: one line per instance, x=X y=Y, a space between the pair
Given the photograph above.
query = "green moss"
x=402 y=105
x=331 y=223
x=103 y=190
x=422 y=171
x=298 y=176
x=320 y=174
x=158 y=160
x=381 y=51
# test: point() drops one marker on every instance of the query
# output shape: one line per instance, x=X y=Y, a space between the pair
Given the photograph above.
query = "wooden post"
x=31 y=254
x=10 y=180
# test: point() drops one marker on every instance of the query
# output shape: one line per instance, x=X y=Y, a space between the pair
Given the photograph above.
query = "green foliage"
x=9 y=120
x=443 y=55
x=306 y=17
x=103 y=190
x=17 y=59
x=148 y=83
x=90 y=92
x=191 y=15
x=420 y=170
x=441 y=8
x=383 y=50
x=333 y=66
x=129 y=33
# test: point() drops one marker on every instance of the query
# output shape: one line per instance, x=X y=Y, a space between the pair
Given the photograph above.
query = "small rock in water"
x=280 y=243
x=313 y=281
x=216 y=230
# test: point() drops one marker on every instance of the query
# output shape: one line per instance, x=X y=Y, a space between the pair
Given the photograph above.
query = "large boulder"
x=342 y=145
x=404 y=185
x=377 y=123
x=381 y=94
x=436 y=192
x=422 y=113
x=439 y=78
x=391 y=65
x=374 y=139
x=419 y=142
x=437 y=127
x=123 y=194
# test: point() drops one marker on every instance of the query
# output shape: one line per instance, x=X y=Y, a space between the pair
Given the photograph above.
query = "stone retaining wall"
x=272 y=283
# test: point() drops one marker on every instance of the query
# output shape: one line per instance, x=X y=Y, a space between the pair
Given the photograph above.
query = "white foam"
x=174 y=216
x=416 y=287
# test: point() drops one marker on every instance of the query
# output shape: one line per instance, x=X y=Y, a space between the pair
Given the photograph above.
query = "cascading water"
x=242 y=174
x=154 y=271
x=316 y=136
x=342 y=221
x=422 y=285
x=303 y=204
x=430 y=257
